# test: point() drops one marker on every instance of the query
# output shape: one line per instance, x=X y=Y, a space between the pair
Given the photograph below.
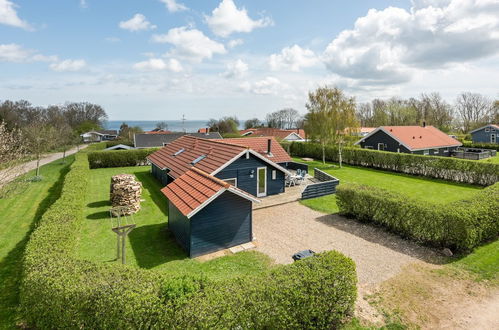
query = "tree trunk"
x=339 y=153
x=37 y=164
x=323 y=153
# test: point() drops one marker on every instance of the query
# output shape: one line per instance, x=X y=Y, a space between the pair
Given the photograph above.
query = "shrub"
x=60 y=291
x=494 y=146
x=460 y=225
x=447 y=168
x=119 y=158
x=113 y=143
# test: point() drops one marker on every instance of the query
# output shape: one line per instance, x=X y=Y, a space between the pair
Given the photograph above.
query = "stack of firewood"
x=125 y=194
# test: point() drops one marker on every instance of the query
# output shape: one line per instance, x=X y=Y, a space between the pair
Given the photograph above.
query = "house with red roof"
x=424 y=140
x=211 y=185
x=296 y=135
x=486 y=134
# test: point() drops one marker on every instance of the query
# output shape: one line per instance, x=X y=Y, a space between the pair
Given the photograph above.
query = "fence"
x=295 y=166
x=326 y=185
x=473 y=153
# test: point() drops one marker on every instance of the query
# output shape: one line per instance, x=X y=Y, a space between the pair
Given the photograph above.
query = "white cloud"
x=293 y=58
x=267 y=86
x=235 y=42
x=68 y=65
x=8 y=15
x=191 y=44
x=157 y=64
x=137 y=23
x=174 y=6
x=236 y=69
x=391 y=45
x=16 y=53
x=227 y=19
x=83 y=4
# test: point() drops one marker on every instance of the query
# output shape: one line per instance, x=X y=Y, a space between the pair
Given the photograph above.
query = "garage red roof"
x=195 y=189
x=419 y=137
x=260 y=145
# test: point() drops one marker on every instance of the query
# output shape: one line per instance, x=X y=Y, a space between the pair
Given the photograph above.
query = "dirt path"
x=16 y=171
x=283 y=230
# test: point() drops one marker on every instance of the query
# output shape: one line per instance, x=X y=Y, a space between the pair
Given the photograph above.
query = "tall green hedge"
x=447 y=168
x=460 y=225
x=60 y=291
x=119 y=158
x=117 y=142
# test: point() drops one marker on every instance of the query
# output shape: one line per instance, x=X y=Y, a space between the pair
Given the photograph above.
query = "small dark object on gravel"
x=302 y=254
x=447 y=252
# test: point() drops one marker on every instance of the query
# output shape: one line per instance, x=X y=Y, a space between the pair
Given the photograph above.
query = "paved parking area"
x=283 y=230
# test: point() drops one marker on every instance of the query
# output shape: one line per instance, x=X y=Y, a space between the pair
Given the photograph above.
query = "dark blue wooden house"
x=486 y=134
x=211 y=184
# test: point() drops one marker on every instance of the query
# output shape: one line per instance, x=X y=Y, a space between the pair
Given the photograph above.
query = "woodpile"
x=125 y=194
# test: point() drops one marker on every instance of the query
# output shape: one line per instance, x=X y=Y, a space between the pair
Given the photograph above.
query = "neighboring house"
x=217 y=215
x=486 y=134
x=225 y=175
x=204 y=130
x=158 y=131
x=99 y=136
x=424 y=140
x=145 y=140
x=296 y=135
x=119 y=147
x=363 y=131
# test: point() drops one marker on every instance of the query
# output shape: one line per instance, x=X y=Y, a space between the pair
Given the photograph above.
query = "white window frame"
x=426 y=152
x=229 y=179
x=435 y=151
x=487 y=129
x=382 y=145
x=263 y=194
x=493 y=137
x=274 y=174
x=446 y=150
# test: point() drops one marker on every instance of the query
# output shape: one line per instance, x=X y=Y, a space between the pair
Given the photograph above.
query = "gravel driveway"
x=281 y=231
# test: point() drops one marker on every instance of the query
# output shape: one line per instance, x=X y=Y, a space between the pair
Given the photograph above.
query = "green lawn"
x=493 y=160
x=483 y=261
x=18 y=215
x=425 y=189
x=150 y=245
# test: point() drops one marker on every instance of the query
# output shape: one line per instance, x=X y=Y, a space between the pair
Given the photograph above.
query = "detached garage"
x=207 y=214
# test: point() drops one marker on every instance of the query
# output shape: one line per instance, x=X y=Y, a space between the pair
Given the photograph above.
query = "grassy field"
x=483 y=262
x=425 y=189
x=150 y=245
x=19 y=214
x=493 y=160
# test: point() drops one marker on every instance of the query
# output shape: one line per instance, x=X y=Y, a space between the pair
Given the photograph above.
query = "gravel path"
x=31 y=165
x=283 y=230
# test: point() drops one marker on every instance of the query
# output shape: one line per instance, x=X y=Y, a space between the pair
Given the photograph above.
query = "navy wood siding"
x=225 y=222
x=241 y=169
x=179 y=225
x=160 y=175
x=484 y=137
x=381 y=137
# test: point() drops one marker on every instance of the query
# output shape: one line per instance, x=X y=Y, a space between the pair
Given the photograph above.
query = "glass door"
x=261 y=182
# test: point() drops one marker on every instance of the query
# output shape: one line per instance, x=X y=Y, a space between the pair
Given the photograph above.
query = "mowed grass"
x=493 y=160
x=483 y=261
x=425 y=189
x=150 y=245
x=19 y=213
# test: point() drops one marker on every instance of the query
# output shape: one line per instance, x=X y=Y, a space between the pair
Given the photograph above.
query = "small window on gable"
x=487 y=129
x=231 y=181
x=179 y=152
x=247 y=155
x=492 y=129
x=274 y=174
x=197 y=160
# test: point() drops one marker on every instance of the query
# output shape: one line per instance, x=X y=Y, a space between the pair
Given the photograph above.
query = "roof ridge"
x=211 y=177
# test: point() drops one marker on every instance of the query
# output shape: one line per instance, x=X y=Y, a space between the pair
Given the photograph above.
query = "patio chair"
x=289 y=181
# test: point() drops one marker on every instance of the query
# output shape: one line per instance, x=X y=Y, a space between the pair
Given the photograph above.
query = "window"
x=381 y=146
x=446 y=150
x=179 y=152
x=247 y=154
x=435 y=151
x=164 y=144
x=274 y=174
x=197 y=160
x=398 y=150
x=487 y=129
x=492 y=129
x=426 y=152
x=231 y=181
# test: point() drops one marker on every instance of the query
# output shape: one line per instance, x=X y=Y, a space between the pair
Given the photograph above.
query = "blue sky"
x=159 y=59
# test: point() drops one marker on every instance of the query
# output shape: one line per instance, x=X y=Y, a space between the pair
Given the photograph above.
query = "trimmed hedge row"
x=113 y=143
x=119 y=158
x=494 y=146
x=60 y=291
x=460 y=225
x=447 y=168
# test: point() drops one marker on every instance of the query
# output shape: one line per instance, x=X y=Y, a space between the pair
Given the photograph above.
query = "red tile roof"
x=268 y=131
x=191 y=191
x=418 y=137
x=217 y=154
x=259 y=144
